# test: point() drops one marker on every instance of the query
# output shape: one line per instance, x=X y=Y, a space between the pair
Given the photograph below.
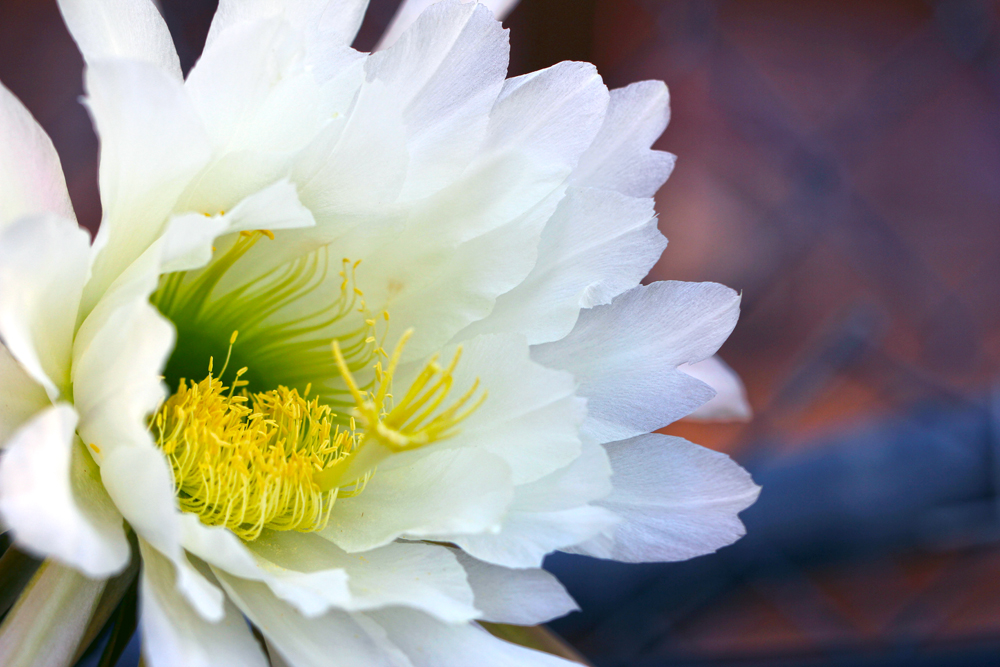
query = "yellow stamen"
x=412 y=423
x=248 y=462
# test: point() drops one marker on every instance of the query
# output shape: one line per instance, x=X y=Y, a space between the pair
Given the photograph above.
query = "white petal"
x=311 y=592
x=31 y=177
x=597 y=245
x=343 y=171
x=254 y=94
x=527 y=537
x=530 y=417
x=429 y=643
x=346 y=639
x=189 y=237
x=45 y=626
x=138 y=479
x=118 y=357
x=174 y=635
x=52 y=499
x=20 y=396
x=455 y=491
x=419 y=576
x=130 y=29
x=549 y=514
x=620 y=158
x=625 y=355
x=730 y=400
x=519 y=597
x=335 y=20
x=446 y=72
x=409 y=10
x=43 y=265
x=442 y=265
x=152 y=144
x=678 y=501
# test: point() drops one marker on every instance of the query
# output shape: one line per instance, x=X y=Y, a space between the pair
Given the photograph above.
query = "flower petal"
x=678 y=501
x=51 y=498
x=446 y=72
x=139 y=481
x=730 y=400
x=447 y=492
x=152 y=144
x=409 y=10
x=311 y=593
x=531 y=416
x=130 y=29
x=419 y=576
x=519 y=597
x=335 y=21
x=31 y=177
x=625 y=355
x=526 y=537
x=619 y=158
x=187 y=242
x=476 y=239
x=44 y=262
x=348 y=639
x=118 y=357
x=174 y=635
x=548 y=514
x=20 y=396
x=597 y=245
x=429 y=643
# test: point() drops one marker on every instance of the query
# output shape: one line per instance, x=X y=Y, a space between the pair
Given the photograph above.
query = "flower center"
x=250 y=458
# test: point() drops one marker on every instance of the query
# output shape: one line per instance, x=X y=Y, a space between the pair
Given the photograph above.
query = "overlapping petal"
x=44 y=262
x=52 y=498
x=625 y=355
x=677 y=501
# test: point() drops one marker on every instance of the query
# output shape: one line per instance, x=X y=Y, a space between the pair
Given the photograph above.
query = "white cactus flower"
x=360 y=341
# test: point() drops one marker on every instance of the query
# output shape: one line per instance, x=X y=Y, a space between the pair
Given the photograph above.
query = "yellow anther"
x=250 y=467
x=416 y=421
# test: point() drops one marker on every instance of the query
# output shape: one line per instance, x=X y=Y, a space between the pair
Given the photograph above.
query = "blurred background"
x=839 y=163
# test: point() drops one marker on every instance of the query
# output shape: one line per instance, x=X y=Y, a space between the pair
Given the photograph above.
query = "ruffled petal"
x=625 y=355
x=430 y=643
x=51 y=497
x=476 y=239
x=620 y=158
x=409 y=10
x=349 y=640
x=174 y=635
x=677 y=501
x=519 y=597
x=335 y=21
x=31 y=177
x=44 y=262
x=131 y=29
x=445 y=72
x=457 y=491
x=730 y=400
x=419 y=576
x=152 y=144
x=597 y=245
